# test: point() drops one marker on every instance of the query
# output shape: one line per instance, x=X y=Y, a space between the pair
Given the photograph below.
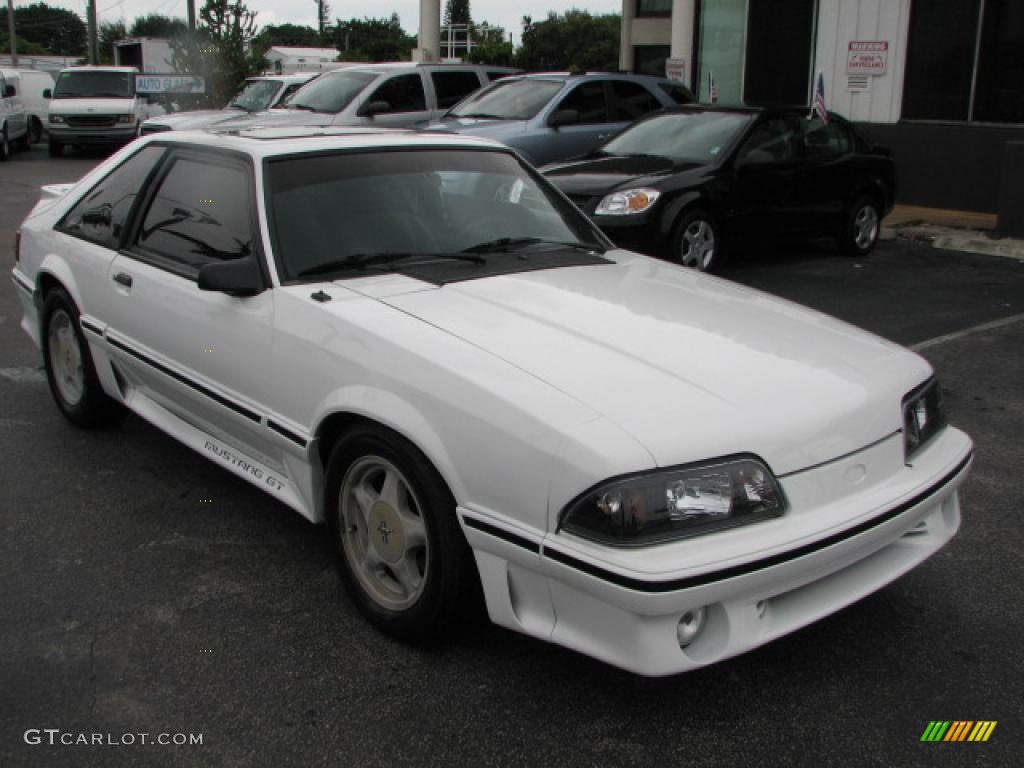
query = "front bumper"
x=107 y=135
x=624 y=608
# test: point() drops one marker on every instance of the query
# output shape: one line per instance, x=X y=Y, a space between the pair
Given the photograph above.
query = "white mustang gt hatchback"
x=416 y=339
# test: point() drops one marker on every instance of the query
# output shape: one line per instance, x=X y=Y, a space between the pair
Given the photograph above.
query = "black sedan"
x=688 y=183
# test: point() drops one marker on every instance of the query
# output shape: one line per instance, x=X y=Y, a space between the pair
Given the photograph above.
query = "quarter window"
x=451 y=87
x=403 y=94
x=588 y=99
x=99 y=217
x=201 y=213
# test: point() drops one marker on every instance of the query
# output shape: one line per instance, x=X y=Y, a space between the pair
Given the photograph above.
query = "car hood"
x=470 y=126
x=200 y=118
x=693 y=366
x=599 y=175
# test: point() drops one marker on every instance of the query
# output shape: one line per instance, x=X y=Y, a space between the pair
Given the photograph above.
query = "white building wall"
x=843 y=21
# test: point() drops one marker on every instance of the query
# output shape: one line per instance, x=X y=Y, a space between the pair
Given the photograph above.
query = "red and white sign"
x=867 y=57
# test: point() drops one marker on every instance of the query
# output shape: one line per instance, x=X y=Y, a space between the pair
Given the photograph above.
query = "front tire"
x=392 y=521
x=863 y=226
x=69 y=368
x=696 y=241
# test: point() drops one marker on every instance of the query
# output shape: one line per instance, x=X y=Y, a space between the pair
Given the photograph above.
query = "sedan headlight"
x=627 y=202
x=126 y=119
x=56 y=118
x=923 y=416
x=676 y=503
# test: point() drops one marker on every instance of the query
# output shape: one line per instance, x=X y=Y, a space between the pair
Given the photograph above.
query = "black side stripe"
x=227 y=403
x=703 y=579
x=90 y=326
x=22 y=283
x=285 y=432
x=501 y=533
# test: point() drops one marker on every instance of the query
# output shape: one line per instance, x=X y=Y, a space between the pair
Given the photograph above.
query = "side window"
x=825 y=141
x=678 y=93
x=200 y=213
x=99 y=217
x=589 y=100
x=403 y=93
x=451 y=87
x=287 y=93
x=770 y=142
x=632 y=100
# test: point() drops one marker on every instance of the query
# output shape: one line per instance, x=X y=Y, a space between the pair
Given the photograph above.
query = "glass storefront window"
x=653 y=7
x=999 y=92
x=722 y=25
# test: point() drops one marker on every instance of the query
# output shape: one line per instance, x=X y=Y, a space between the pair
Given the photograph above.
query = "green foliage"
x=45 y=30
x=156 y=25
x=457 y=12
x=491 y=46
x=285 y=34
x=219 y=48
x=373 y=40
x=575 y=40
x=109 y=33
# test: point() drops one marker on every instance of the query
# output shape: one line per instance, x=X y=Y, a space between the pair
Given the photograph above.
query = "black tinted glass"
x=940 y=59
x=403 y=94
x=100 y=216
x=451 y=87
x=632 y=100
x=201 y=213
x=589 y=100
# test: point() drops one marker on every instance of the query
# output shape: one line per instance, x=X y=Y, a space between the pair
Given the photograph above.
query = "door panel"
x=766 y=171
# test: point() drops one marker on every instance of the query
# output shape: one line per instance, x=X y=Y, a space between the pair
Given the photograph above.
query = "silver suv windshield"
x=509 y=100
x=255 y=95
x=331 y=92
x=95 y=85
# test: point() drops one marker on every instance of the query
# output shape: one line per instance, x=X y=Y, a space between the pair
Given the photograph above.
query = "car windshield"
x=509 y=100
x=90 y=84
x=332 y=92
x=255 y=95
x=696 y=137
x=330 y=212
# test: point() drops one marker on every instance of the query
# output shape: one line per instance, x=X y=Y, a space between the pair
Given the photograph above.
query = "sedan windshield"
x=509 y=100
x=346 y=213
x=92 y=84
x=695 y=137
x=332 y=92
x=255 y=95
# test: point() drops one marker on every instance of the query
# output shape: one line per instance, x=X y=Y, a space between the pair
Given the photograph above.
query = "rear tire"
x=69 y=368
x=56 y=148
x=863 y=226
x=401 y=553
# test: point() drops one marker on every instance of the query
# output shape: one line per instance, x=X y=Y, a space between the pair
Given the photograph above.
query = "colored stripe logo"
x=958 y=730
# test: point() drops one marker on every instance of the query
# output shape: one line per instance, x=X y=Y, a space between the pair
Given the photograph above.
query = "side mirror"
x=10 y=91
x=562 y=117
x=236 y=277
x=48 y=93
x=374 y=108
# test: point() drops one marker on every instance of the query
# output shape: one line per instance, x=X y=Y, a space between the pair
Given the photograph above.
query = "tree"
x=457 y=12
x=156 y=25
x=285 y=34
x=574 y=40
x=219 y=49
x=56 y=30
x=109 y=33
x=373 y=39
x=491 y=46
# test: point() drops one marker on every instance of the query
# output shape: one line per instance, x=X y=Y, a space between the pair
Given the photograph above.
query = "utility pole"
x=94 y=50
x=192 y=15
x=10 y=33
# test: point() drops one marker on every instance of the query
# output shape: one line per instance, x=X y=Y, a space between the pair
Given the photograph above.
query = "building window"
x=650 y=59
x=653 y=7
x=956 y=74
x=722 y=41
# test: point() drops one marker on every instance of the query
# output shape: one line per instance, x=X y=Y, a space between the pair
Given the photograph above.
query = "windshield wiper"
x=360 y=261
x=236 y=105
x=478 y=115
x=514 y=243
x=304 y=107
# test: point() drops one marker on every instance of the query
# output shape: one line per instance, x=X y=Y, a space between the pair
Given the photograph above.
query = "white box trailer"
x=146 y=54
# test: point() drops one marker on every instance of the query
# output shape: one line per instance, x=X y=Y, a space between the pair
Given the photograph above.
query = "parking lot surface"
x=146 y=590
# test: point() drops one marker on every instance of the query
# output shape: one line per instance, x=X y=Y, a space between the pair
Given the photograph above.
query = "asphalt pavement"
x=147 y=591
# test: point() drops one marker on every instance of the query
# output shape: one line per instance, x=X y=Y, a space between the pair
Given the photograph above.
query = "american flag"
x=819 y=107
x=712 y=91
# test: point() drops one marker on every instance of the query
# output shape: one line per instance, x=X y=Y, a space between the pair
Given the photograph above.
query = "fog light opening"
x=762 y=608
x=690 y=625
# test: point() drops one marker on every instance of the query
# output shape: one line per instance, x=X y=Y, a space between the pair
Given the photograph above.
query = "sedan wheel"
x=66 y=358
x=401 y=552
x=862 y=228
x=696 y=242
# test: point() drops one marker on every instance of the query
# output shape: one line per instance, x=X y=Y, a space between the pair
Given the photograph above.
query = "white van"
x=32 y=85
x=96 y=105
x=13 y=118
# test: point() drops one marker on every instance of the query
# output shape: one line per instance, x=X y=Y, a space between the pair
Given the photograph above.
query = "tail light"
x=17 y=246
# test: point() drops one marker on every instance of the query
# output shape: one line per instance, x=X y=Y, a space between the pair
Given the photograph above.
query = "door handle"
x=123 y=278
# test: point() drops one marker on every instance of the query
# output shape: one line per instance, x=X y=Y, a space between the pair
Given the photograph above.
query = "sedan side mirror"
x=9 y=91
x=48 y=93
x=374 y=108
x=236 y=277
x=562 y=117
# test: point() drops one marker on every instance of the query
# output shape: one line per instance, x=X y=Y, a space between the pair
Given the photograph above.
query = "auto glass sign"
x=157 y=83
x=867 y=57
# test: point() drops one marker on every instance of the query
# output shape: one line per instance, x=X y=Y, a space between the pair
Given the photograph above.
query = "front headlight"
x=627 y=202
x=56 y=118
x=676 y=503
x=126 y=119
x=923 y=416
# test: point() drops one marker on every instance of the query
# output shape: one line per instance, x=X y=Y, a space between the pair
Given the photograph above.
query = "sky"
x=501 y=12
